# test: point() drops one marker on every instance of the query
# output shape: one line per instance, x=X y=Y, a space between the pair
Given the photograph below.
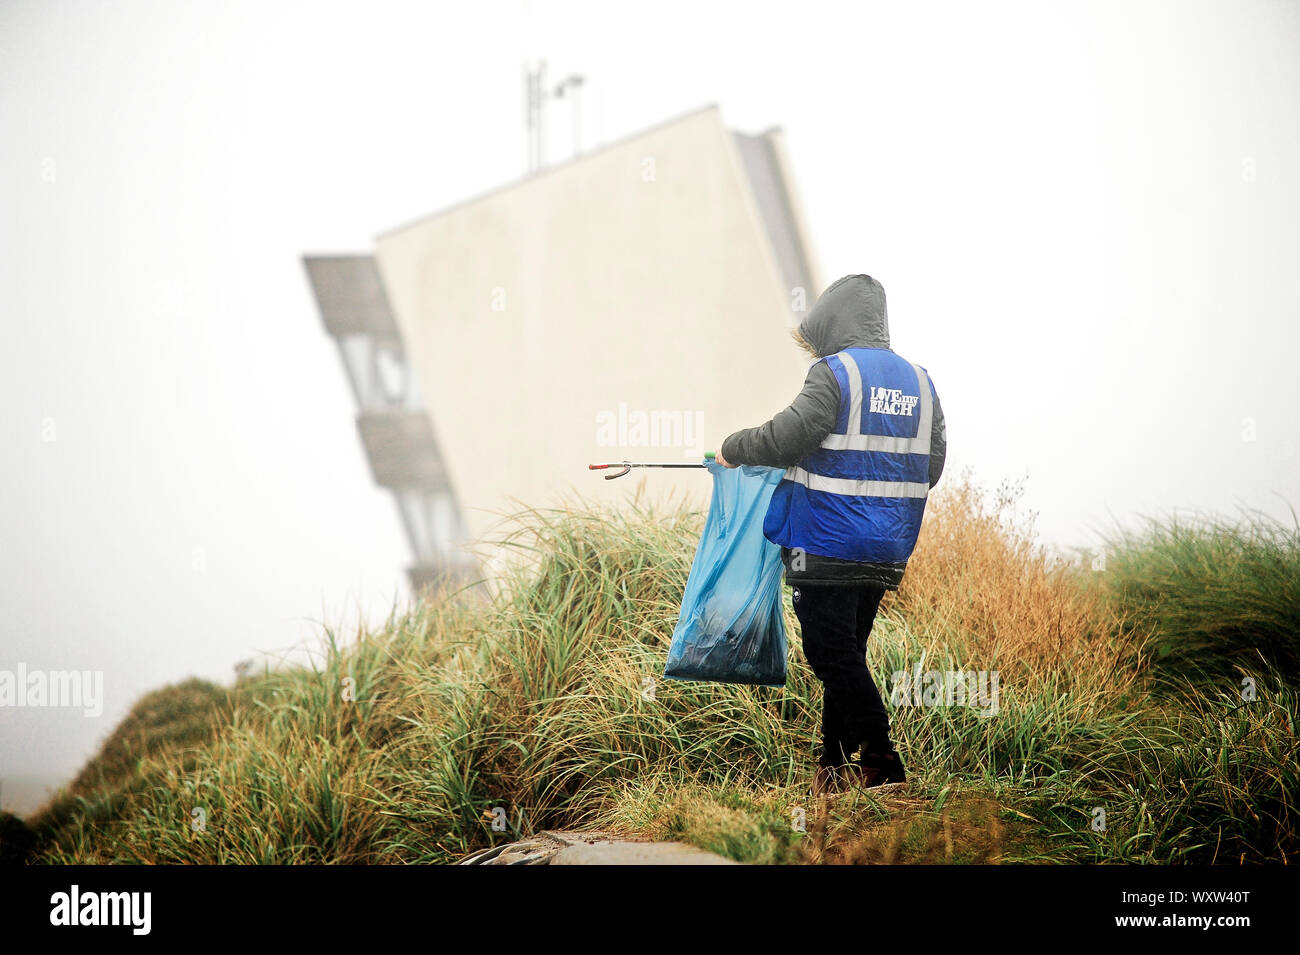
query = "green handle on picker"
x=710 y=455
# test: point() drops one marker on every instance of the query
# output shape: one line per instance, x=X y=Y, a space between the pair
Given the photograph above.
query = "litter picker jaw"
x=629 y=465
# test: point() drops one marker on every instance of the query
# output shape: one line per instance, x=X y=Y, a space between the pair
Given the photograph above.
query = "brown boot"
x=836 y=779
x=825 y=781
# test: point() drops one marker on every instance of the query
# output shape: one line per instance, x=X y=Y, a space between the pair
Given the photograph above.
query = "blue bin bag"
x=731 y=628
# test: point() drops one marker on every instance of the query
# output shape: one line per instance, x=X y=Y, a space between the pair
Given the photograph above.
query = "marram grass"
x=462 y=723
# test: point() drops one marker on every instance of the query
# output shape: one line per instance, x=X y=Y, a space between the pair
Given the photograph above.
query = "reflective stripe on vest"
x=820 y=482
x=861 y=496
x=855 y=440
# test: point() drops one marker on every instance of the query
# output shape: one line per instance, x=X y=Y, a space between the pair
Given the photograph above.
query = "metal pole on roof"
x=534 y=115
x=573 y=82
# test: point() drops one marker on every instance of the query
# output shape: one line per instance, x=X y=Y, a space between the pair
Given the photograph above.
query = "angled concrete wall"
x=547 y=320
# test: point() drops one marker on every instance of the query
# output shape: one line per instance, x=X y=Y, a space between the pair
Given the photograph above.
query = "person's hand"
x=723 y=461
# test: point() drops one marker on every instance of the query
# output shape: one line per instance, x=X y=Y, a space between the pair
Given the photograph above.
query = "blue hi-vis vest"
x=861 y=495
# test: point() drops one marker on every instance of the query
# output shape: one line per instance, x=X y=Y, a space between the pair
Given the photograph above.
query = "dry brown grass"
x=891 y=829
x=980 y=580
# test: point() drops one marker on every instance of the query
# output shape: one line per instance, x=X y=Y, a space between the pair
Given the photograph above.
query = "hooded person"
x=862 y=445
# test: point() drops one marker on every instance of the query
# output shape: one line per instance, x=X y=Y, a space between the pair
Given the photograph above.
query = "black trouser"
x=835 y=621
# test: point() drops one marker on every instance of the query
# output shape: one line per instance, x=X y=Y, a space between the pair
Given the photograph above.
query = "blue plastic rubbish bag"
x=731 y=629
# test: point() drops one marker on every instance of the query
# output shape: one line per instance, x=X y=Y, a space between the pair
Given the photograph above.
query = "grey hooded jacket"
x=851 y=313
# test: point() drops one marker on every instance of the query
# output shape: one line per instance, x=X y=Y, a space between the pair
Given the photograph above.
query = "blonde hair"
x=803 y=342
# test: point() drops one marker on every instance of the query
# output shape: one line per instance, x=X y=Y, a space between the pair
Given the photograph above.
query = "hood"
x=851 y=313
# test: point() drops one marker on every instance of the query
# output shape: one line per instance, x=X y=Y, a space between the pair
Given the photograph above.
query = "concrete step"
x=592 y=848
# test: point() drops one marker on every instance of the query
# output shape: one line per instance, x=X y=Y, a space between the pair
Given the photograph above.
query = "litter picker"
x=629 y=465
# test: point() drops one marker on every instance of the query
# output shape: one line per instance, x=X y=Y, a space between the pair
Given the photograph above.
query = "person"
x=862 y=445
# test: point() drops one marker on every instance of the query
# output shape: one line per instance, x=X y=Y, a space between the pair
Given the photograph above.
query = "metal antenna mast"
x=534 y=123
